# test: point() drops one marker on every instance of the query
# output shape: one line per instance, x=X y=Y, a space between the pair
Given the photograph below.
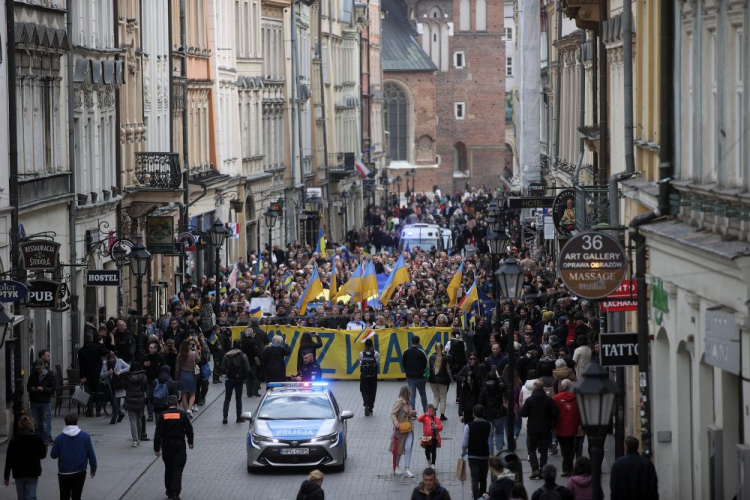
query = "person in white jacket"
x=582 y=356
x=526 y=390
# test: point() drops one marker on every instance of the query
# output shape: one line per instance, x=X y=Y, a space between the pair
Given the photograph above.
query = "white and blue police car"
x=297 y=424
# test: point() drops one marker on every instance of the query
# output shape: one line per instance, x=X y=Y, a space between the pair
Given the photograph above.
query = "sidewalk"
x=119 y=464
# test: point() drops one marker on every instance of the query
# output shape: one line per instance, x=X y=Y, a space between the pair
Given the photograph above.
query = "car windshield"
x=425 y=244
x=297 y=407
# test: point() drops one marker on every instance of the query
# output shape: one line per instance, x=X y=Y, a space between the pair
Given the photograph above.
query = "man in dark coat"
x=633 y=476
x=152 y=363
x=90 y=366
x=249 y=348
x=273 y=360
x=542 y=413
x=41 y=386
x=429 y=488
x=124 y=343
x=172 y=427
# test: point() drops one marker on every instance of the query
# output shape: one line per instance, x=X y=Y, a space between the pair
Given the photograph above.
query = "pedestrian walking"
x=24 y=459
x=236 y=366
x=431 y=429
x=113 y=371
x=542 y=414
x=74 y=452
x=41 y=385
x=136 y=387
x=402 y=437
x=429 y=488
x=475 y=446
x=185 y=369
x=369 y=368
x=152 y=363
x=455 y=350
x=250 y=349
x=582 y=356
x=312 y=487
x=518 y=492
x=415 y=365
x=161 y=388
x=568 y=425
x=581 y=483
x=440 y=379
x=495 y=412
x=549 y=474
x=502 y=481
x=470 y=391
x=273 y=360
x=172 y=427
x=90 y=366
x=633 y=476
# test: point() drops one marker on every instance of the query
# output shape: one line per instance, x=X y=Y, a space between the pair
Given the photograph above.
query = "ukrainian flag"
x=399 y=274
x=471 y=296
x=334 y=287
x=369 y=282
x=321 y=247
x=258 y=265
x=267 y=282
x=313 y=289
x=256 y=313
x=454 y=285
x=353 y=286
x=288 y=281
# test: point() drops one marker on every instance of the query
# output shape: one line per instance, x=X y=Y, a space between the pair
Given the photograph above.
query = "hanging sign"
x=12 y=291
x=160 y=234
x=40 y=255
x=564 y=212
x=102 y=277
x=592 y=265
x=43 y=294
x=618 y=349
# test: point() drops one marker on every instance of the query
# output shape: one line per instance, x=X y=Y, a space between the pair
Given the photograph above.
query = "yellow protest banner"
x=338 y=358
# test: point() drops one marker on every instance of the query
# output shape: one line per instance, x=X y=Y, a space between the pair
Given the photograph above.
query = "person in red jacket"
x=431 y=429
x=568 y=425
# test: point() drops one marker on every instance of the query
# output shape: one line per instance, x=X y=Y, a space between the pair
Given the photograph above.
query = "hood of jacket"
x=561 y=373
x=529 y=385
x=582 y=481
x=71 y=430
x=538 y=394
x=309 y=486
x=233 y=353
x=507 y=474
x=565 y=396
x=164 y=377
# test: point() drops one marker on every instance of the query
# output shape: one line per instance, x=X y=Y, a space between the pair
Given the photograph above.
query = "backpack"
x=161 y=395
x=551 y=494
x=368 y=367
x=234 y=368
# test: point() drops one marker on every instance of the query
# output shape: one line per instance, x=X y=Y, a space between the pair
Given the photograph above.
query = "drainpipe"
x=75 y=331
x=582 y=119
x=323 y=96
x=666 y=131
x=601 y=177
x=558 y=86
x=295 y=96
x=185 y=212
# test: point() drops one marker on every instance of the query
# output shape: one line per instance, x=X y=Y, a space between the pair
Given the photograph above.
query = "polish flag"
x=363 y=171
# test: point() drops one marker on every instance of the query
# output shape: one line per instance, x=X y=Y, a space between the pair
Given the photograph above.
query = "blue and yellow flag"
x=399 y=274
x=259 y=265
x=353 y=286
x=256 y=313
x=334 y=287
x=267 y=282
x=321 y=247
x=454 y=285
x=471 y=296
x=313 y=289
x=288 y=281
x=369 y=282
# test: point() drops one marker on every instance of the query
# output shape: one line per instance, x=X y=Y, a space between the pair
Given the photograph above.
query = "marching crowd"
x=182 y=352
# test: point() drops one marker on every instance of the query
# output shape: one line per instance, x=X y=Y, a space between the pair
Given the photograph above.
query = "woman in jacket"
x=440 y=379
x=469 y=397
x=402 y=437
x=491 y=397
x=24 y=458
x=273 y=360
x=187 y=360
x=136 y=385
x=113 y=370
x=431 y=429
x=580 y=484
x=170 y=355
x=517 y=387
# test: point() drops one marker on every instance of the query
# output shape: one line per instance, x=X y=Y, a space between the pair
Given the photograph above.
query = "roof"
x=702 y=240
x=401 y=52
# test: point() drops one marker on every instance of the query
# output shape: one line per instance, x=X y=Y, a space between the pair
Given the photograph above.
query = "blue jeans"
x=517 y=427
x=116 y=411
x=42 y=414
x=419 y=384
x=26 y=487
x=498 y=431
x=236 y=388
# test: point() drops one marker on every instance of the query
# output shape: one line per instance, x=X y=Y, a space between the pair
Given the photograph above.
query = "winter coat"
x=90 y=362
x=541 y=411
x=273 y=362
x=561 y=374
x=633 y=476
x=439 y=493
x=237 y=360
x=47 y=383
x=582 y=358
x=427 y=422
x=443 y=377
x=569 y=420
x=75 y=451
x=24 y=456
x=156 y=362
x=500 y=488
x=136 y=386
x=310 y=490
x=581 y=487
x=312 y=347
x=491 y=397
x=401 y=412
x=526 y=390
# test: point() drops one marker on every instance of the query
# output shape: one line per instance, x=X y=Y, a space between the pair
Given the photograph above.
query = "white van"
x=424 y=236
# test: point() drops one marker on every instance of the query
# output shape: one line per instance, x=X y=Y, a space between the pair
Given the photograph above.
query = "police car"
x=297 y=424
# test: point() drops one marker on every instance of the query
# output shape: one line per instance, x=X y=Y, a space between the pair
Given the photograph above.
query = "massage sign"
x=40 y=255
x=592 y=265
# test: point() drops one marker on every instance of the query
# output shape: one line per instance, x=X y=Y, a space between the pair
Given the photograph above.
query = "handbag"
x=197 y=369
x=404 y=427
x=461 y=470
x=427 y=441
x=206 y=371
x=80 y=395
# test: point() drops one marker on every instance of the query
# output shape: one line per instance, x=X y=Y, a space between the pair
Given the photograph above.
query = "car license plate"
x=295 y=451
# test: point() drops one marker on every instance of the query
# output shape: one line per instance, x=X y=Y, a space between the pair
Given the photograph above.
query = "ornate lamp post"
x=345 y=209
x=413 y=173
x=398 y=180
x=140 y=259
x=219 y=234
x=270 y=216
x=595 y=396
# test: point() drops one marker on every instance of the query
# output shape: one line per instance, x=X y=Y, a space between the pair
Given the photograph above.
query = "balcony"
x=157 y=171
x=43 y=188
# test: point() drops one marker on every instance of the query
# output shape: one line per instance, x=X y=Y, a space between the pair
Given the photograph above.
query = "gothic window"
x=397 y=121
x=465 y=15
x=461 y=158
x=435 y=13
x=481 y=15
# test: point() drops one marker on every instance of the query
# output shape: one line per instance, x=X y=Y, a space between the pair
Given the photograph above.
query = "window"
x=509 y=33
x=397 y=121
x=458 y=60
x=714 y=109
x=460 y=109
x=481 y=15
x=460 y=158
x=465 y=15
x=739 y=107
x=508 y=66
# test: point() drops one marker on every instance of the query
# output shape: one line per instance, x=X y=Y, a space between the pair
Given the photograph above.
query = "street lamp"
x=398 y=180
x=595 y=396
x=219 y=234
x=510 y=282
x=413 y=172
x=271 y=217
x=140 y=259
x=345 y=209
x=386 y=183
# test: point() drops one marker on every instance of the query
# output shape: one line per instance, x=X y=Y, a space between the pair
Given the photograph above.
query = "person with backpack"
x=455 y=350
x=542 y=413
x=236 y=366
x=369 y=368
x=550 y=490
x=161 y=388
x=136 y=387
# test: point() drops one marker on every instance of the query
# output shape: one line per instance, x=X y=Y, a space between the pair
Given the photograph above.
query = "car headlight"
x=258 y=438
x=329 y=437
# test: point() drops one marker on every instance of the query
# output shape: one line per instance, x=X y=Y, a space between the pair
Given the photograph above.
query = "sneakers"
x=397 y=471
x=225 y=421
x=408 y=473
x=119 y=419
x=190 y=414
x=443 y=418
x=239 y=420
x=535 y=475
x=135 y=444
x=553 y=448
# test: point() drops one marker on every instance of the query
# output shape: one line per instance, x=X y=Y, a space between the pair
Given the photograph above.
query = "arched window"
x=465 y=16
x=435 y=13
x=460 y=158
x=481 y=15
x=397 y=121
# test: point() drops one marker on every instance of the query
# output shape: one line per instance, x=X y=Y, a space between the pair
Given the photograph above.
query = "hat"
x=166 y=369
x=38 y=363
x=175 y=299
x=553 y=340
x=548 y=315
x=562 y=320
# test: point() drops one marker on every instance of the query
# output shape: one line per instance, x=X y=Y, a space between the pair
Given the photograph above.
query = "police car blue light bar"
x=297 y=384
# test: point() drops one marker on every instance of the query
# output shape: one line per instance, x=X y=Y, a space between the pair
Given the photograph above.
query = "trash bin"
x=511 y=462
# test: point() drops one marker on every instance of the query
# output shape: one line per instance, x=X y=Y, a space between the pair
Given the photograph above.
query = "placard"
x=40 y=255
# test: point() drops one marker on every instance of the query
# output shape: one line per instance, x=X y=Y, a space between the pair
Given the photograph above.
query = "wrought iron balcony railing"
x=158 y=170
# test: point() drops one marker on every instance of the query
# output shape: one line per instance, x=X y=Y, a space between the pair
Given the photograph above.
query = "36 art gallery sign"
x=40 y=255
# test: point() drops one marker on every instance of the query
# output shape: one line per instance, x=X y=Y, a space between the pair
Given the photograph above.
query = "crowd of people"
x=178 y=354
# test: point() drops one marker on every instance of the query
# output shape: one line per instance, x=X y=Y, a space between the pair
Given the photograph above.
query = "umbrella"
x=395 y=450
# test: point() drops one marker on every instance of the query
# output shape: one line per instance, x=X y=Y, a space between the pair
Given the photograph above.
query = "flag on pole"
x=454 y=285
x=259 y=265
x=334 y=286
x=470 y=297
x=232 y=280
x=363 y=171
x=369 y=333
x=399 y=274
x=312 y=290
x=321 y=247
